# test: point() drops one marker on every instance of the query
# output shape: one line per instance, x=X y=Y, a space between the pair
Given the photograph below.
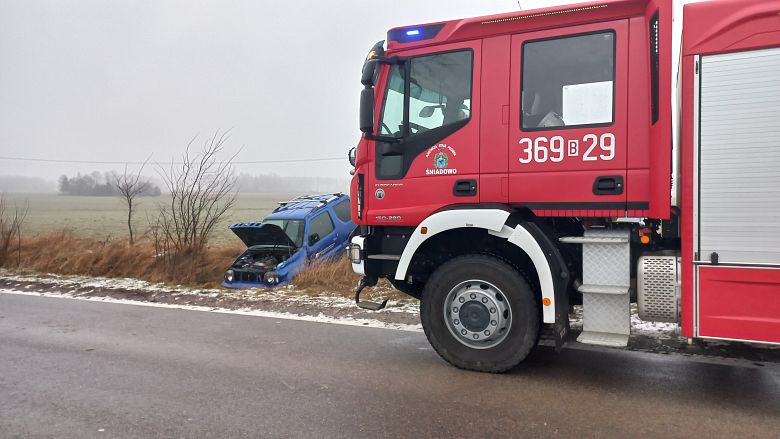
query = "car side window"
x=321 y=225
x=342 y=211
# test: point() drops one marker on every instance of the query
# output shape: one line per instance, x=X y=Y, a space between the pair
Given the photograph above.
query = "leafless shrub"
x=130 y=187
x=11 y=221
x=202 y=191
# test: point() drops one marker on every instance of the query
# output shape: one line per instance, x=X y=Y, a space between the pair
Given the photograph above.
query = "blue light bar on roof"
x=417 y=33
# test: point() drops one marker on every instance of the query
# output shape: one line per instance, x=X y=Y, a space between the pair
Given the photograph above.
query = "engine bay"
x=261 y=258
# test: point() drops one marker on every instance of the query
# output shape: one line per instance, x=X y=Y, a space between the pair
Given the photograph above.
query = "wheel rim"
x=477 y=314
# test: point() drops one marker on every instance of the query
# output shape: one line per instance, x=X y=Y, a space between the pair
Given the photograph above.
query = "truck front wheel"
x=480 y=314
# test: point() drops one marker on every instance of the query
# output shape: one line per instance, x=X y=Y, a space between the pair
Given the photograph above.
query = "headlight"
x=271 y=277
x=354 y=253
x=229 y=275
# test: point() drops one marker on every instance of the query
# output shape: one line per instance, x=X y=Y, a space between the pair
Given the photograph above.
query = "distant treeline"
x=97 y=185
x=101 y=184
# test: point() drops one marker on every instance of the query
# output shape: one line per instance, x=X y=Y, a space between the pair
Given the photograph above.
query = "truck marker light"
x=645 y=236
x=544 y=14
x=423 y=230
x=546 y=301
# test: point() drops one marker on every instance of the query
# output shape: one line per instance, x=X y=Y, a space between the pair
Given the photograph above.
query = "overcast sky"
x=122 y=80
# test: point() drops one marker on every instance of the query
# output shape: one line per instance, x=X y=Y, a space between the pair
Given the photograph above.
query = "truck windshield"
x=292 y=228
x=439 y=93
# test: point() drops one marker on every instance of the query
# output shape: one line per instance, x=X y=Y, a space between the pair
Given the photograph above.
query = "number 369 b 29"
x=557 y=148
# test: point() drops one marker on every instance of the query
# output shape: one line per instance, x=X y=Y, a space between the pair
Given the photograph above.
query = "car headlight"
x=229 y=276
x=354 y=253
x=271 y=277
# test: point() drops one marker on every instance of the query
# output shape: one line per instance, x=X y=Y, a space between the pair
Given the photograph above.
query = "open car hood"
x=262 y=234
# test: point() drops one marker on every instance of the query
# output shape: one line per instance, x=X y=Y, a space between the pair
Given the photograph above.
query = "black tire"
x=524 y=325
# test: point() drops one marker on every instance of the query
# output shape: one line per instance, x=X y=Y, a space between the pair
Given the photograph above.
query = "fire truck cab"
x=514 y=165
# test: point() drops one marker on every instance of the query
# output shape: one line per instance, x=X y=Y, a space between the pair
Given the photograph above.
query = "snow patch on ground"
x=319 y=318
x=70 y=285
x=653 y=330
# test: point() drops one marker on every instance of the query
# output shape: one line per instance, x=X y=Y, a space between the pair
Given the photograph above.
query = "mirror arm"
x=388 y=59
x=383 y=139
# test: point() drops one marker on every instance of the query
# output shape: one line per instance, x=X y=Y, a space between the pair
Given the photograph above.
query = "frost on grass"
x=285 y=301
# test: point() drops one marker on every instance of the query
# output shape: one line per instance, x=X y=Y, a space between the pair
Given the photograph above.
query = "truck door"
x=567 y=130
x=434 y=117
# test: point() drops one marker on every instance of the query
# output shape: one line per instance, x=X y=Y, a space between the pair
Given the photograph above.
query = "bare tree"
x=11 y=230
x=202 y=191
x=130 y=187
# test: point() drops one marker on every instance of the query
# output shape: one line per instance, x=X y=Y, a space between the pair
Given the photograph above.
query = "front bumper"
x=251 y=279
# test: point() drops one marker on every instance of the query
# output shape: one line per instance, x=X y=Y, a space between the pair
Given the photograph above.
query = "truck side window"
x=439 y=93
x=393 y=108
x=321 y=225
x=568 y=81
x=440 y=90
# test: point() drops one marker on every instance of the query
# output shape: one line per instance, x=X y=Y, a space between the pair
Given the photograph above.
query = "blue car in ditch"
x=306 y=229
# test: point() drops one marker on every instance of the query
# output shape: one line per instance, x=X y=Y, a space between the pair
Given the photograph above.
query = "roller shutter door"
x=739 y=157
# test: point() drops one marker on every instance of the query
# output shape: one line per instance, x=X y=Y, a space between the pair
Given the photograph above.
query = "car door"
x=321 y=237
x=568 y=121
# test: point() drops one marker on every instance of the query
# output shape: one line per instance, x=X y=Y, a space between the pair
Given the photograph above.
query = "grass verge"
x=66 y=253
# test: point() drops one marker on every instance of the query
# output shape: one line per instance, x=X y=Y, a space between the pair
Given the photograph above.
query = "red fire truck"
x=514 y=165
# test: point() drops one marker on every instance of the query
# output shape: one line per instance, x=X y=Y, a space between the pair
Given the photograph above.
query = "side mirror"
x=352 y=154
x=370 y=66
x=367 y=110
x=313 y=238
x=369 y=73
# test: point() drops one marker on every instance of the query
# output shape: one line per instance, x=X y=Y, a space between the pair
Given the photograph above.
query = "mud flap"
x=560 y=279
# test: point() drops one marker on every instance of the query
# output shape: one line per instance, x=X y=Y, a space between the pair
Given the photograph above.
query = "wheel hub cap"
x=477 y=314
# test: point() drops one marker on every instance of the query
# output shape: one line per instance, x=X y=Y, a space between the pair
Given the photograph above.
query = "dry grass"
x=66 y=253
x=328 y=276
x=69 y=254
x=337 y=277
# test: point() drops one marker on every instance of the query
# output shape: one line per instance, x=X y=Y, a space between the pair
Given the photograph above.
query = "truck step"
x=606 y=277
x=385 y=257
x=603 y=339
x=603 y=289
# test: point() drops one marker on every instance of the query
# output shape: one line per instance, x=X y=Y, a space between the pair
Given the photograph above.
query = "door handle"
x=465 y=188
x=608 y=185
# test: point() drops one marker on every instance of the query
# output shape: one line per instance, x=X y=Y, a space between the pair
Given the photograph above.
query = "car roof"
x=300 y=207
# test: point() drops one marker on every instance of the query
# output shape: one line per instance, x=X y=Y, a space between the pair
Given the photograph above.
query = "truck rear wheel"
x=480 y=314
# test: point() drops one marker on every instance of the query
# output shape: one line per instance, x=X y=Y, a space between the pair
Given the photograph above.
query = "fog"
x=109 y=80
x=120 y=81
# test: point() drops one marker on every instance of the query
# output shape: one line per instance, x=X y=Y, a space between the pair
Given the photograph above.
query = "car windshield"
x=292 y=228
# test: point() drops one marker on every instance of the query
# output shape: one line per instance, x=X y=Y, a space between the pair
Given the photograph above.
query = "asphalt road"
x=72 y=368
